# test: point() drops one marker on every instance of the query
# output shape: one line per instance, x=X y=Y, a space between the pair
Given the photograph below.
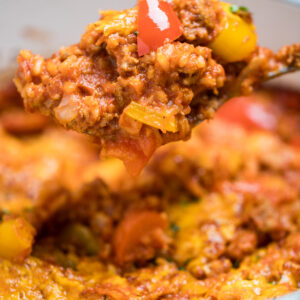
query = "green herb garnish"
x=234 y=8
x=236 y=264
x=184 y=265
x=169 y=259
x=136 y=33
x=187 y=261
x=244 y=8
x=174 y=227
x=242 y=12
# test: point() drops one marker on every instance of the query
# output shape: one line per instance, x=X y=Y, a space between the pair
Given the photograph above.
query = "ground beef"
x=200 y=22
x=87 y=86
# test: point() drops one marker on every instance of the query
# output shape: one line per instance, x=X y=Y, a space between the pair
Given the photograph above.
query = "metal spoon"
x=235 y=91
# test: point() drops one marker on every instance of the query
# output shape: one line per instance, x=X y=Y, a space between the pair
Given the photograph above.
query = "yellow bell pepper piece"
x=237 y=39
x=151 y=117
x=16 y=238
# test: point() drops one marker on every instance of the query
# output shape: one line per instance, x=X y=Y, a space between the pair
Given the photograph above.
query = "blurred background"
x=43 y=26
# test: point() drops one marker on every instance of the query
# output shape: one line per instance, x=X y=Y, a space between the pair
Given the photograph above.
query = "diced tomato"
x=247 y=113
x=136 y=226
x=129 y=151
x=296 y=140
x=134 y=152
x=157 y=24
